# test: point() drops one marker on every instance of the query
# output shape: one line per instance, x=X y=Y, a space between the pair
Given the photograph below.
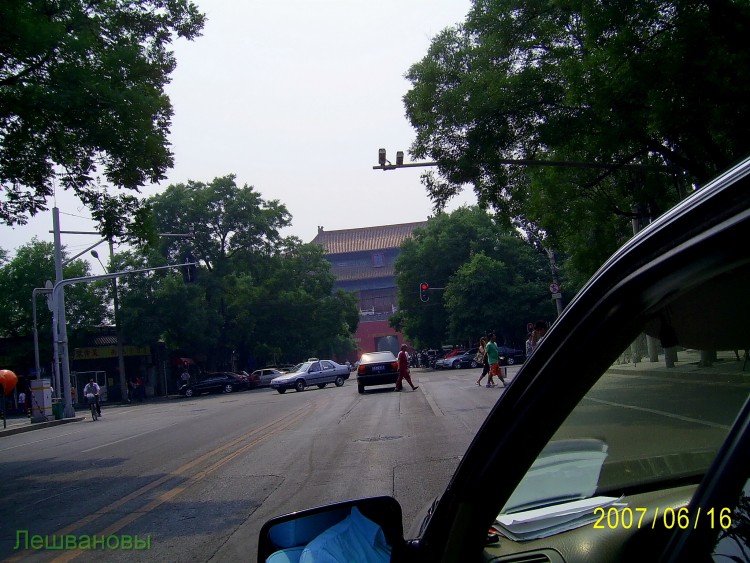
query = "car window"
x=645 y=426
x=314 y=367
x=326 y=365
x=377 y=357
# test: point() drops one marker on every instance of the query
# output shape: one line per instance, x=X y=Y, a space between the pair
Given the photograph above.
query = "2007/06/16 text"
x=681 y=518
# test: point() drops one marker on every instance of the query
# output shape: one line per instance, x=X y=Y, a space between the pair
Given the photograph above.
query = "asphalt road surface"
x=196 y=478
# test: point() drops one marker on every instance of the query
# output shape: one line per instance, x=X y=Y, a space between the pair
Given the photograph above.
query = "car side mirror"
x=283 y=538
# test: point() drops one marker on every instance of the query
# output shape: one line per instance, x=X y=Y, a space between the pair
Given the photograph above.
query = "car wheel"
x=299 y=386
x=339 y=381
x=511 y=361
x=474 y=364
x=321 y=385
x=360 y=388
x=281 y=390
x=228 y=388
x=189 y=392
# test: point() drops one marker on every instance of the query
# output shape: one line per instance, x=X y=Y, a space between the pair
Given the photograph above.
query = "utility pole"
x=58 y=305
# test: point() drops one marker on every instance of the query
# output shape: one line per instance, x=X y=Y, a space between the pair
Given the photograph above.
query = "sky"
x=294 y=98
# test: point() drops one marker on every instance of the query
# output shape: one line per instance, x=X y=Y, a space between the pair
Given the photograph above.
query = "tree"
x=644 y=99
x=490 y=279
x=259 y=296
x=228 y=222
x=82 y=93
x=33 y=264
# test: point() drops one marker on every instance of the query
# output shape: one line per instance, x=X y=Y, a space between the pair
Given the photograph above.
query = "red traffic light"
x=423 y=288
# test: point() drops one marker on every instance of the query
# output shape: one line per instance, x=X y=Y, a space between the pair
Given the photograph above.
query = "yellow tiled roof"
x=365 y=238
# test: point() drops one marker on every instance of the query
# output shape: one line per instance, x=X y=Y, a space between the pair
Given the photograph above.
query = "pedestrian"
x=73 y=394
x=493 y=357
x=140 y=389
x=481 y=357
x=185 y=377
x=22 y=402
x=540 y=329
x=403 y=370
x=529 y=344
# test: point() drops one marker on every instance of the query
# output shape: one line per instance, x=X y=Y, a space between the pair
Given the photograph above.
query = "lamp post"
x=118 y=333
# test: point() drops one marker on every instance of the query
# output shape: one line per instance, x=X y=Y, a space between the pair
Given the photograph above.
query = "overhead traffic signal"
x=423 y=289
x=189 y=270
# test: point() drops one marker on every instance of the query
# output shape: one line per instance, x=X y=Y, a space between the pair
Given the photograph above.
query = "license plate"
x=378 y=368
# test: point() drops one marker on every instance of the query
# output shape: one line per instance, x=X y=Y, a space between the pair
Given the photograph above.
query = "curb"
x=20 y=428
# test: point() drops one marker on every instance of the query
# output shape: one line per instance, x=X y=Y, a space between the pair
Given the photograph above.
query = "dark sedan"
x=221 y=382
x=511 y=356
x=376 y=368
x=466 y=359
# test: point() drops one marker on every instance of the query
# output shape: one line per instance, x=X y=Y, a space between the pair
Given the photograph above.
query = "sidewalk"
x=16 y=424
x=726 y=368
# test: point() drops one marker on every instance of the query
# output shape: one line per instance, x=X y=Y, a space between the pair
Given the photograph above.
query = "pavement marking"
x=130 y=437
x=661 y=413
x=266 y=432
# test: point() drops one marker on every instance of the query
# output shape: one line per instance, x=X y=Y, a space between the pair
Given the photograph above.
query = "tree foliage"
x=484 y=276
x=643 y=99
x=258 y=296
x=82 y=94
x=31 y=266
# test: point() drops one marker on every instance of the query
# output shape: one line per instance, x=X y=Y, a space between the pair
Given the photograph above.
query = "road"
x=200 y=476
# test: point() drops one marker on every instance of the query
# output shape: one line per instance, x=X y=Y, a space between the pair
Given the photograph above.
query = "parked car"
x=591 y=459
x=446 y=361
x=512 y=355
x=313 y=372
x=376 y=368
x=219 y=382
x=263 y=377
x=463 y=360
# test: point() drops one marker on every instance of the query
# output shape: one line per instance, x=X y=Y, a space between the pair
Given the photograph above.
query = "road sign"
x=554 y=288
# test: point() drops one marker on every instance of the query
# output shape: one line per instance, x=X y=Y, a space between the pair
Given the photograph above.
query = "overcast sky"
x=294 y=98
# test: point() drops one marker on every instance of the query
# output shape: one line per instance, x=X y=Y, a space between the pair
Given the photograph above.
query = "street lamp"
x=118 y=332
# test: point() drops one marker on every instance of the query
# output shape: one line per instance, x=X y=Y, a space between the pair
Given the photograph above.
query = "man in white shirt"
x=93 y=389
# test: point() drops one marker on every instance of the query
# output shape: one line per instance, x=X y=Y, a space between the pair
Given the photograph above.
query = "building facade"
x=362 y=260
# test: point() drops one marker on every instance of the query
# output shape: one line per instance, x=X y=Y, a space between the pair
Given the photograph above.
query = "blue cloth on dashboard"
x=355 y=538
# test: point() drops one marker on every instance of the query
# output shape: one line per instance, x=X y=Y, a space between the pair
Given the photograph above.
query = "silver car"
x=312 y=372
x=263 y=377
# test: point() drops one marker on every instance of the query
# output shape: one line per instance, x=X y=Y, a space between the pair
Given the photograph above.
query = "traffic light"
x=423 y=289
x=189 y=270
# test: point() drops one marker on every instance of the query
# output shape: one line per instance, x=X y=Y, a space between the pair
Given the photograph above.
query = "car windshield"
x=301 y=368
x=377 y=357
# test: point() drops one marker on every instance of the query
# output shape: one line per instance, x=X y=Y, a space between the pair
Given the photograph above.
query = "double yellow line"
x=257 y=436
